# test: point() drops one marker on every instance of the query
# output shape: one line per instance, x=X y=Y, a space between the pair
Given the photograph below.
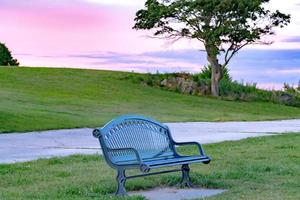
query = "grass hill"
x=48 y=98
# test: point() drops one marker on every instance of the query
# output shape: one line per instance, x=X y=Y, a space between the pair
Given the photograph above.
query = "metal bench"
x=132 y=141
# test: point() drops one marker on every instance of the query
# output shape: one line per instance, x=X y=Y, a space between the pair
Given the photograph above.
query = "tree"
x=224 y=27
x=6 y=58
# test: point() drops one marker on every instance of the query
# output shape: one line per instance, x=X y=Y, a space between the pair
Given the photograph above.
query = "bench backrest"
x=150 y=138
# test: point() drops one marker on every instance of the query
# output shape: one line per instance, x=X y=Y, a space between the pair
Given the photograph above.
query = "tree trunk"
x=216 y=75
x=216 y=71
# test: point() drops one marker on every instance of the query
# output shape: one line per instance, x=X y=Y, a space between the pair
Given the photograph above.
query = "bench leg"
x=185 y=180
x=121 y=179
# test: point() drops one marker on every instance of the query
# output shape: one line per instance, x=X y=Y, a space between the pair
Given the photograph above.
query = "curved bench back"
x=150 y=138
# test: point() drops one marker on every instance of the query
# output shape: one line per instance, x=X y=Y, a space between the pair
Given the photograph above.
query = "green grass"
x=45 y=98
x=258 y=168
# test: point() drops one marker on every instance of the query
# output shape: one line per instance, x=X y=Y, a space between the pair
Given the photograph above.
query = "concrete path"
x=19 y=147
x=177 y=194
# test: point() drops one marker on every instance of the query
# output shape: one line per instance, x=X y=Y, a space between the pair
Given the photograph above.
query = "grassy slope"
x=44 y=98
x=259 y=168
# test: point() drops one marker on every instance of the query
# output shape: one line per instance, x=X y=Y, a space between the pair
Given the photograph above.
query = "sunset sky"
x=98 y=34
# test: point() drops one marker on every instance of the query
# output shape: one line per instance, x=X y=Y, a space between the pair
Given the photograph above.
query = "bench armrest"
x=143 y=167
x=201 y=150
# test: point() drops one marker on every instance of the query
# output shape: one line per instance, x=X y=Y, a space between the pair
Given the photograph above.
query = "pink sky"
x=47 y=27
x=43 y=32
x=65 y=26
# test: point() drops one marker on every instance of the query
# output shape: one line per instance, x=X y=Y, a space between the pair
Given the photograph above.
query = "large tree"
x=223 y=26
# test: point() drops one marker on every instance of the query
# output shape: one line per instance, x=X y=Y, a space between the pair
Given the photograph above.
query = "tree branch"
x=233 y=50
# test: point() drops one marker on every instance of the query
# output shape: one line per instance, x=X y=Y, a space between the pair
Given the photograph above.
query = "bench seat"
x=169 y=161
x=177 y=161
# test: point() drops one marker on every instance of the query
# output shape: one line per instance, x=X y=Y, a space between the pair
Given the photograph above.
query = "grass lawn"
x=256 y=168
x=47 y=98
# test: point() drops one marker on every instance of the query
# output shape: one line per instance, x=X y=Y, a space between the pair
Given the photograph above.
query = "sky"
x=98 y=34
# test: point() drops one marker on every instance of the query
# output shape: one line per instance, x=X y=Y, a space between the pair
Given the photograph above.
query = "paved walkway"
x=177 y=193
x=19 y=147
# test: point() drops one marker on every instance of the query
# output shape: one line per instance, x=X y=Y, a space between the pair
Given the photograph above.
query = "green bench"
x=131 y=141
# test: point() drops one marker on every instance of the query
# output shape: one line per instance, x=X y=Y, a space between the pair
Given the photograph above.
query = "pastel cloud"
x=293 y=39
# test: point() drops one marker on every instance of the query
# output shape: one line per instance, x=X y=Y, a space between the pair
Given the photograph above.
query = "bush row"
x=229 y=90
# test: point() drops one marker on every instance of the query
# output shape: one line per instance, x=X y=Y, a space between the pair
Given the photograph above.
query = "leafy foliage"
x=215 y=23
x=233 y=90
x=6 y=58
x=206 y=73
x=292 y=90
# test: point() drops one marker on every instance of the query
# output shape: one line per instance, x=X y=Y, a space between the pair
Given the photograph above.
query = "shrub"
x=6 y=58
x=205 y=74
x=229 y=90
x=234 y=90
x=292 y=90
